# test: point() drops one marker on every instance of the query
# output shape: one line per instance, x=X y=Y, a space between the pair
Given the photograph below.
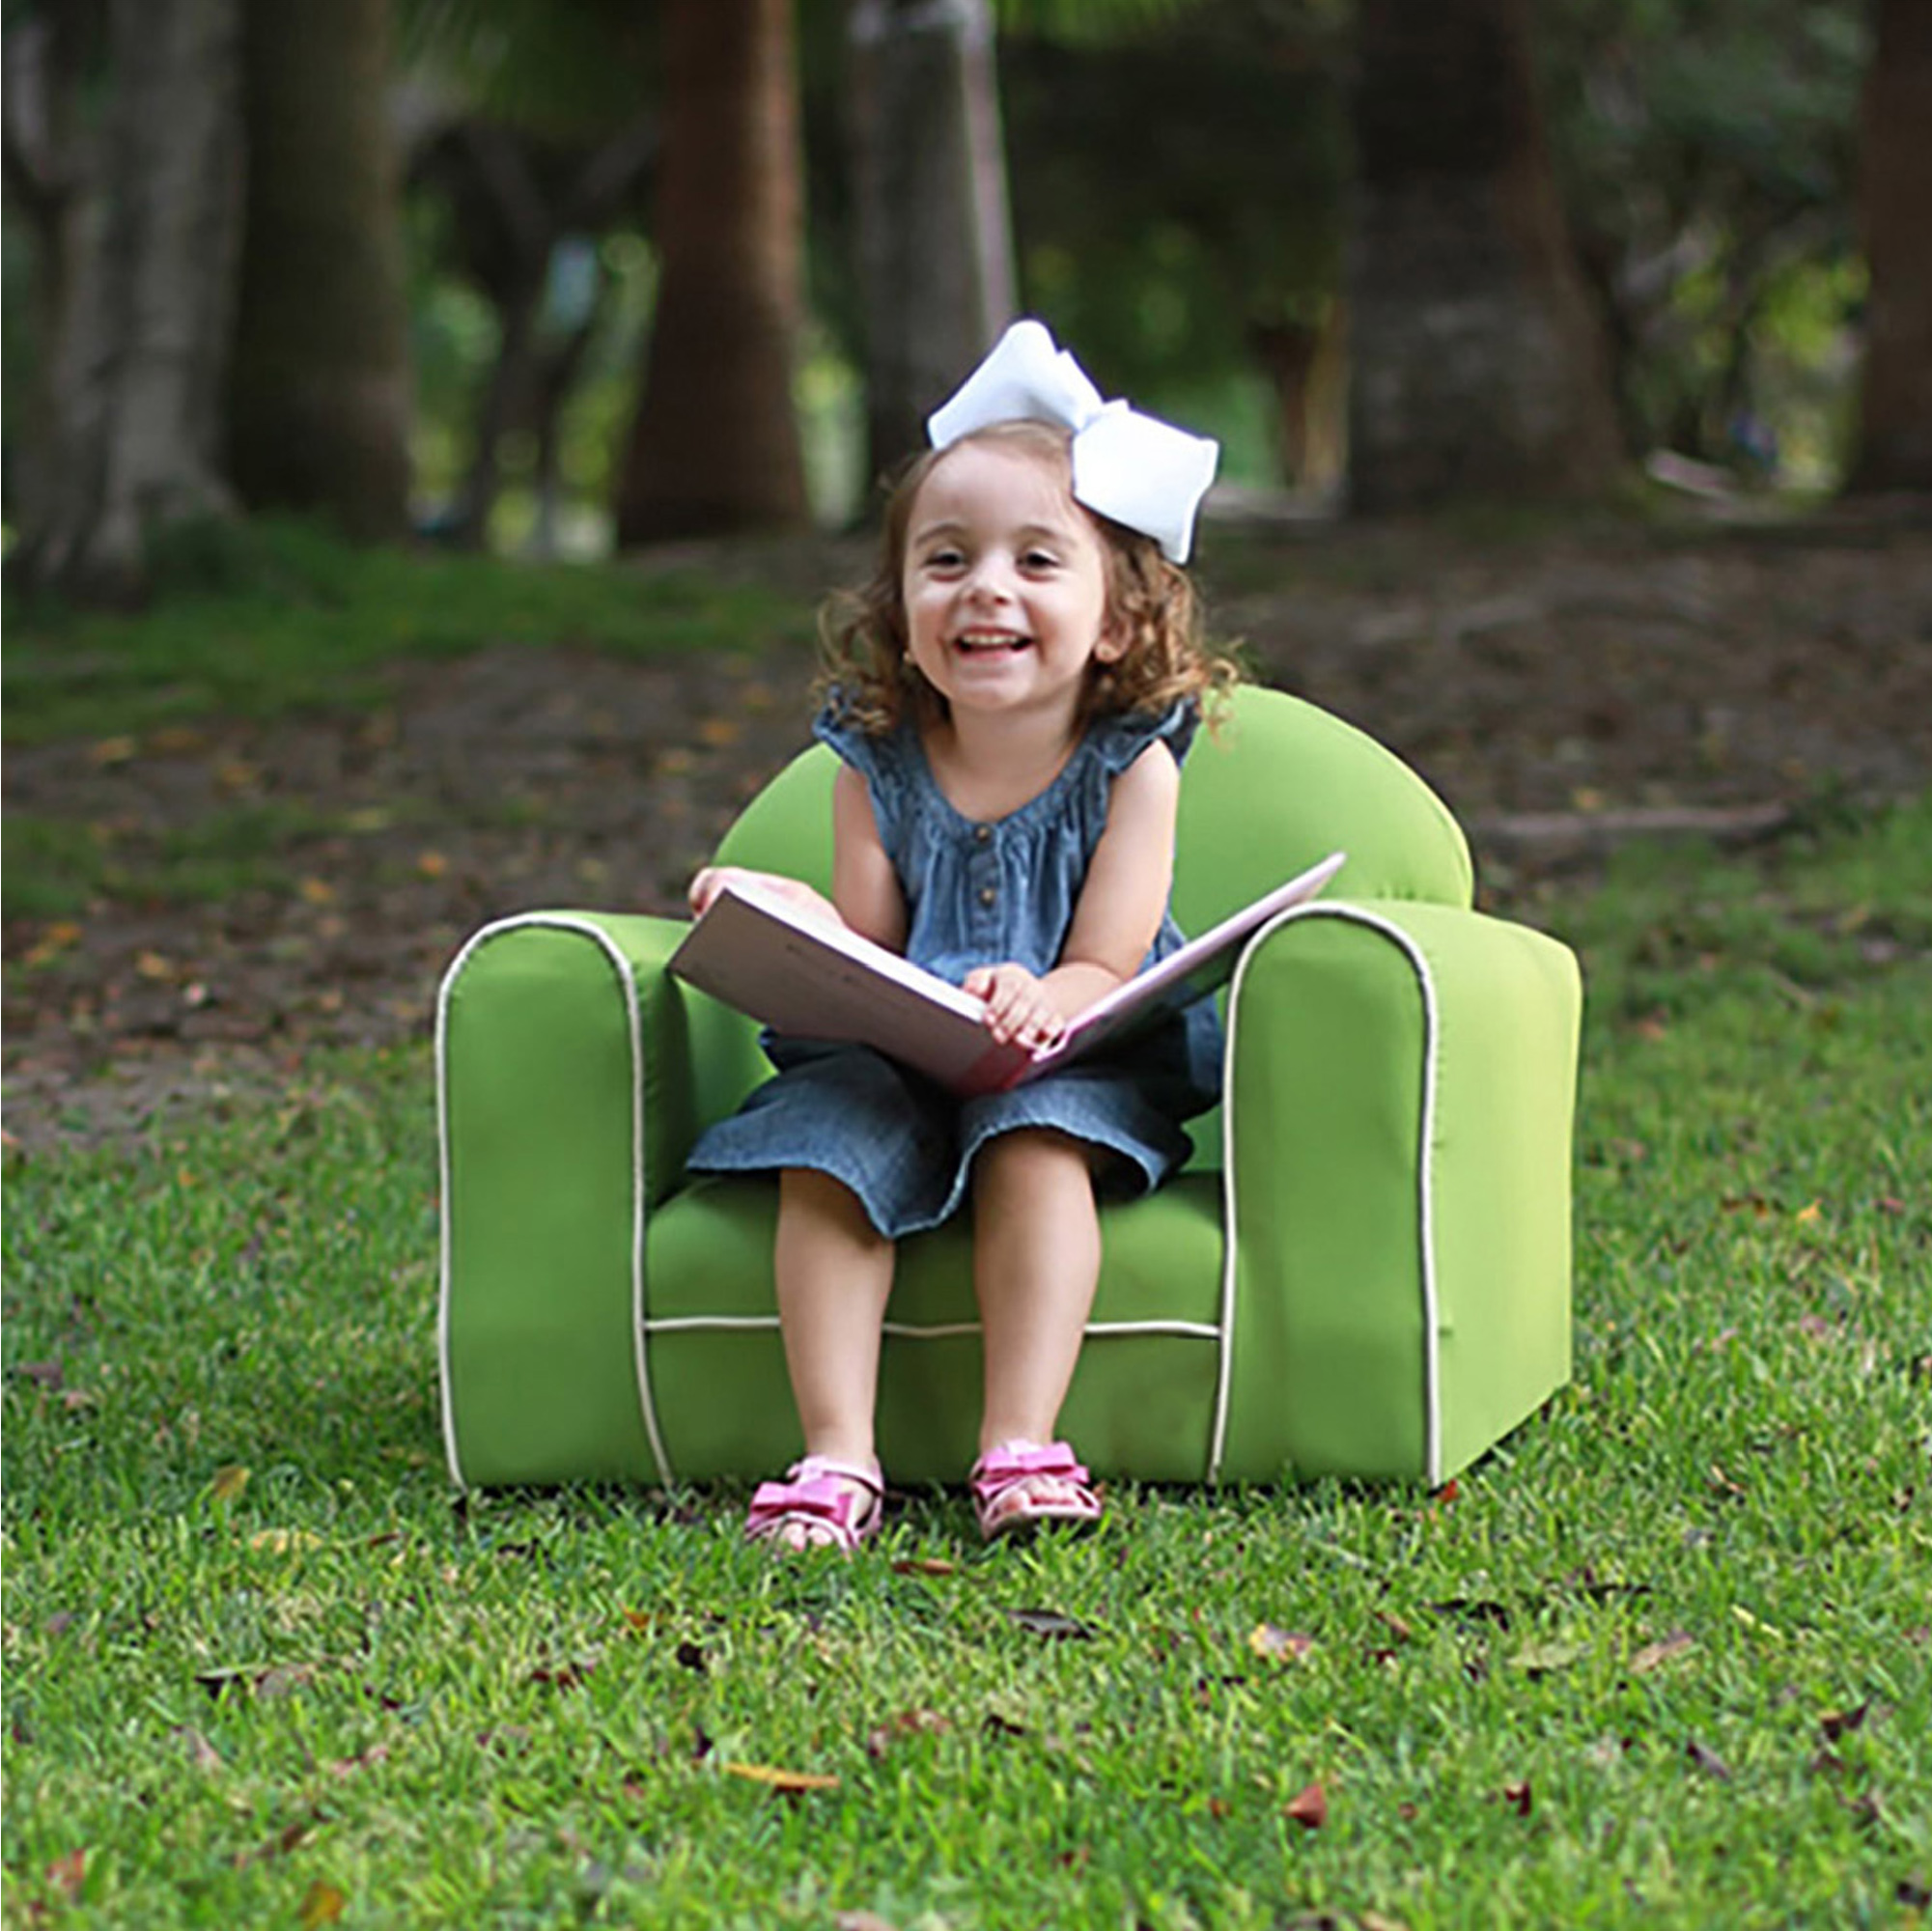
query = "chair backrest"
x=1279 y=783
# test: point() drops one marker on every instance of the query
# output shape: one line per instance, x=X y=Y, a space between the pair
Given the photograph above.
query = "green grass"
x=1664 y=1658
x=56 y=868
x=273 y=617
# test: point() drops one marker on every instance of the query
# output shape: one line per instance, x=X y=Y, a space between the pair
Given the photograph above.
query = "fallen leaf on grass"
x=1836 y=1723
x=1708 y=1761
x=1654 y=1654
x=1308 y=1808
x=276 y=1680
x=906 y=1723
x=322 y=1905
x=781 y=1779
x=1053 y=1624
x=563 y=1676
x=861 y=1920
x=202 y=1753
x=1722 y=1481
x=1542 y=1659
x=44 y=1374
x=68 y=1874
x=283 y=1541
x=924 y=1565
x=111 y=751
x=1518 y=1797
x=1279 y=1645
x=347 y=1766
x=279 y=1845
x=227 y=1482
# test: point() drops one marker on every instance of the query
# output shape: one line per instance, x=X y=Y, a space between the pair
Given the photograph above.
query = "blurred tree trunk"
x=1477 y=368
x=935 y=241
x=123 y=147
x=1895 y=412
x=319 y=392
x=524 y=215
x=715 y=446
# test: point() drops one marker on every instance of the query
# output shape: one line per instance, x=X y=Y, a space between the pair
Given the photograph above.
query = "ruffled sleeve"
x=878 y=759
x=1119 y=740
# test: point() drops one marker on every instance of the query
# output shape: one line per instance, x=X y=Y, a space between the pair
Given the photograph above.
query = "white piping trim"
x=685 y=1324
x=628 y=981
x=1425 y=1172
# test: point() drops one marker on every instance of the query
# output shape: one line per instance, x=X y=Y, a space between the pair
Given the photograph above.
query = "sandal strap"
x=1010 y=1462
x=841 y=1498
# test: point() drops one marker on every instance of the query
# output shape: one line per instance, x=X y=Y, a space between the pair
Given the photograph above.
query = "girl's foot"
x=822 y=1503
x=1019 y=1486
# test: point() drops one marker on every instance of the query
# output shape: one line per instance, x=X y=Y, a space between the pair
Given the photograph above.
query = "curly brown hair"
x=863 y=637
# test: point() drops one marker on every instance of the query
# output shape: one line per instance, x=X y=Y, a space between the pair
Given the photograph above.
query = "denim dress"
x=980 y=894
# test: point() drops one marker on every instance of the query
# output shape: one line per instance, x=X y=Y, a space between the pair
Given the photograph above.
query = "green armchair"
x=1363 y=1271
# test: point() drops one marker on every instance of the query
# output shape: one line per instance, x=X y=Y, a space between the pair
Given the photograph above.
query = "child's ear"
x=1110 y=646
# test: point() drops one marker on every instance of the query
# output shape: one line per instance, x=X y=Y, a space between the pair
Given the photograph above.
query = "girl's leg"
x=834 y=1275
x=1036 y=1263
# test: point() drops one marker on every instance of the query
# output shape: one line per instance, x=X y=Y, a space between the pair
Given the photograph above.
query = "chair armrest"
x=572 y=1074
x=1397 y=1130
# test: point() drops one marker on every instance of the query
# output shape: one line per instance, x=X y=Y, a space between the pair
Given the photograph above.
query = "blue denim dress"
x=979 y=894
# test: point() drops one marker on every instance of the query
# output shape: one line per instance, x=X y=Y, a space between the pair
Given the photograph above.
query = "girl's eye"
x=945 y=559
x=1040 y=559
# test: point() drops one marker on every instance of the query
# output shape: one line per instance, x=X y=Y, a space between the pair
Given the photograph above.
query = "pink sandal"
x=1009 y=1471
x=836 y=1504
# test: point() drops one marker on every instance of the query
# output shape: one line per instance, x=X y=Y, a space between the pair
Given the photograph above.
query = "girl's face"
x=1004 y=583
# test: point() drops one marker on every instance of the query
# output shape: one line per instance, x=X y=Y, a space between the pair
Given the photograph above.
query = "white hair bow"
x=1138 y=470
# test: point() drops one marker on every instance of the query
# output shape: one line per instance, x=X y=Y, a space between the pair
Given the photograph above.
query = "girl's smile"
x=1004 y=584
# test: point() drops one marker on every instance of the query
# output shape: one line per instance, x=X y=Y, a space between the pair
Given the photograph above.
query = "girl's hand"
x=714 y=879
x=1019 y=1011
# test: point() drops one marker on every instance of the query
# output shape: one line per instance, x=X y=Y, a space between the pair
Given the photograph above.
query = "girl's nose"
x=989 y=578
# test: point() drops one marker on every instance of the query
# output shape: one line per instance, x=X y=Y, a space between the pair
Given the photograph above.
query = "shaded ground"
x=1562 y=692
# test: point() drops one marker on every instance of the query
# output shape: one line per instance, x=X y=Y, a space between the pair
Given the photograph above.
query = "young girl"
x=1012 y=696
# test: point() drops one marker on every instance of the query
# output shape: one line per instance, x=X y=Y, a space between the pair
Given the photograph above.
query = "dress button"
x=981 y=833
x=987 y=895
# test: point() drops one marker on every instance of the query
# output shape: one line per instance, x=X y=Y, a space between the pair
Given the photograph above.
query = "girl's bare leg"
x=1036 y=1263
x=834 y=1275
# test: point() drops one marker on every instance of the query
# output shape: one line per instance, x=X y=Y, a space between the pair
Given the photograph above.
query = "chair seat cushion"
x=1143 y=1396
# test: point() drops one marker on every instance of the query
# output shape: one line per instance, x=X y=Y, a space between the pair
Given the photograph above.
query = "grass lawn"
x=1664 y=1658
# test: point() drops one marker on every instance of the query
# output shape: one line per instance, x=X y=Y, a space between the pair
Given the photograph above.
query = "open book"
x=807 y=977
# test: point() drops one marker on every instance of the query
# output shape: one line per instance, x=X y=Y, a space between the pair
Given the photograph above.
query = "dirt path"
x=1562 y=693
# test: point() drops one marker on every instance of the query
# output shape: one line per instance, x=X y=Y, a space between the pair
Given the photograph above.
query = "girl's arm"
x=865 y=887
x=1116 y=918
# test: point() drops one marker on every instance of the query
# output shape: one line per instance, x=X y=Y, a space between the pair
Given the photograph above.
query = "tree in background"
x=124 y=153
x=319 y=391
x=526 y=216
x=1706 y=161
x=1478 y=366
x=1894 y=445
x=715 y=446
x=935 y=244
x=1178 y=192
